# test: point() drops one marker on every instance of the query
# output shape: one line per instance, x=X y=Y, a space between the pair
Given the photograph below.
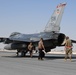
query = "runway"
x=53 y=64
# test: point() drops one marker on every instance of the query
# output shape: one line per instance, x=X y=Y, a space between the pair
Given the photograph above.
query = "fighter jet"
x=51 y=35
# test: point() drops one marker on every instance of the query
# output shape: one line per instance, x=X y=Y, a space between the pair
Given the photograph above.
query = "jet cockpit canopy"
x=14 y=33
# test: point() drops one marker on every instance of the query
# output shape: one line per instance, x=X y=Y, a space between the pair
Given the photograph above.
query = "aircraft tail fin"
x=54 y=22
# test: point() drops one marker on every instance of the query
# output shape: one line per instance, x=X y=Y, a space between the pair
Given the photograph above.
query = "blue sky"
x=31 y=16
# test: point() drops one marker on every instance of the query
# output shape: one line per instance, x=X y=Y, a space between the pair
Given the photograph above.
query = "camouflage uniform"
x=68 y=48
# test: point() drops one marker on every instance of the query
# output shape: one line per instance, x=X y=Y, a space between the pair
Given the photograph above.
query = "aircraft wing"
x=8 y=40
x=5 y=40
x=17 y=40
x=2 y=39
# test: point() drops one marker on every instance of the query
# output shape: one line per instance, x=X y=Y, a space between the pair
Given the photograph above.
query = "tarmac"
x=53 y=64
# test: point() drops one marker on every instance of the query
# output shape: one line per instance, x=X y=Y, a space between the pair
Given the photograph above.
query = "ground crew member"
x=41 y=48
x=68 y=48
x=30 y=49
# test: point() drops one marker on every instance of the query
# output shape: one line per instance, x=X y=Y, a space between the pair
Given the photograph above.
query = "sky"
x=31 y=16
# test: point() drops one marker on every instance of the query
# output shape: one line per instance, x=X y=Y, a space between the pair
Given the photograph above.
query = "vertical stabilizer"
x=54 y=22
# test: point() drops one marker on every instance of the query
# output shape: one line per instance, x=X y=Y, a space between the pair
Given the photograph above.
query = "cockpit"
x=14 y=33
